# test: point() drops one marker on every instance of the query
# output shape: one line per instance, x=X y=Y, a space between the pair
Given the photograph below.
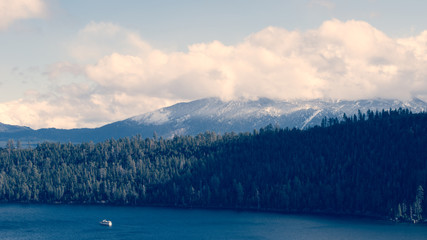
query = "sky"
x=86 y=63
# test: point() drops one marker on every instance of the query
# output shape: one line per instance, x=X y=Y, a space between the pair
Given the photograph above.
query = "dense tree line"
x=372 y=163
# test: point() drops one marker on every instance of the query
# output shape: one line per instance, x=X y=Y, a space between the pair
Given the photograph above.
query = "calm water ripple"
x=82 y=222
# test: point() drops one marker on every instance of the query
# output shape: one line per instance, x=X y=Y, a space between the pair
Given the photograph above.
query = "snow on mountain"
x=213 y=114
x=157 y=117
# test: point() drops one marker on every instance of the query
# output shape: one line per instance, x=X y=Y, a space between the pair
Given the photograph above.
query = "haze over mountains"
x=211 y=114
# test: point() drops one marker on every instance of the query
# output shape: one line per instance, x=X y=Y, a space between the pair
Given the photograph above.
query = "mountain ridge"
x=212 y=114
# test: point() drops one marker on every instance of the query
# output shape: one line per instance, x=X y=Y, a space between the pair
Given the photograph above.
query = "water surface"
x=82 y=222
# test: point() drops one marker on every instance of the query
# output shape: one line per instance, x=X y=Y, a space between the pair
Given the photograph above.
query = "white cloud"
x=338 y=60
x=75 y=106
x=345 y=60
x=13 y=10
x=98 y=39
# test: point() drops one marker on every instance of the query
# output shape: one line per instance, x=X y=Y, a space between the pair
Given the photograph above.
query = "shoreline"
x=236 y=209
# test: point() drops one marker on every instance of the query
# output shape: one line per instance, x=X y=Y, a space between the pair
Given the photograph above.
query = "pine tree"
x=418 y=208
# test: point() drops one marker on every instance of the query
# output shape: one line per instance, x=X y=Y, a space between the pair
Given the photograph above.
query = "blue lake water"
x=82 y=222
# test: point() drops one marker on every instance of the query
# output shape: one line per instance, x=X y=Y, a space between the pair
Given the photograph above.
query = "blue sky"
x=70 y=64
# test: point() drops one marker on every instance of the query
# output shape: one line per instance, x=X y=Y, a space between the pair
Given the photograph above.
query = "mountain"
x=6 y=128
x=246 y=115
x=373 y=166
x=212 y=114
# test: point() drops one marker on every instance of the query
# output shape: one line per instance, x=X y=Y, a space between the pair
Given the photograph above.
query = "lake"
x=82 y=222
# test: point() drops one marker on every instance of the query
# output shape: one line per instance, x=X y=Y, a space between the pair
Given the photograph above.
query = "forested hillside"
x=370 y=164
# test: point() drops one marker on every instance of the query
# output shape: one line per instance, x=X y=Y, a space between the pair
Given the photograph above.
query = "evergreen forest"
x=369 y=164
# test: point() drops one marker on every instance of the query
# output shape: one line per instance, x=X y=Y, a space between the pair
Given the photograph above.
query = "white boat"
x=106 y=223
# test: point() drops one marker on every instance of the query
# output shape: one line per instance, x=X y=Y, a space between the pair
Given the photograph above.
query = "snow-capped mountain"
x=213 y=114
x=246 y=115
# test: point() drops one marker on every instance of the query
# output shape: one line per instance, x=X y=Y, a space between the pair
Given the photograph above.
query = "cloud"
x=338 y=60
x=75 y=106
x=59 y=69
x=98 y=39
x=11 y=11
